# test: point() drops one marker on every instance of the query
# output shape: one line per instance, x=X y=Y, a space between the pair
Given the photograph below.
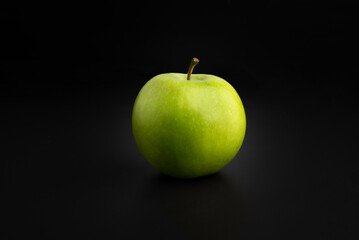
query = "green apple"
x=188 y=125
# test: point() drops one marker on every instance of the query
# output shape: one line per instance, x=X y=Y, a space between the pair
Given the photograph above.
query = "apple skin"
x=188 y=128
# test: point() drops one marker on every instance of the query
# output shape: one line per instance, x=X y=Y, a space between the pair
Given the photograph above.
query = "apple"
x=188 y=125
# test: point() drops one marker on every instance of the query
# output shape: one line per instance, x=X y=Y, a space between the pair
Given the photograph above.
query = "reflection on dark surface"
x=212 y=207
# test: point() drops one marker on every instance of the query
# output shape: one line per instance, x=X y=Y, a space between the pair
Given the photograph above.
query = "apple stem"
x=193 y=63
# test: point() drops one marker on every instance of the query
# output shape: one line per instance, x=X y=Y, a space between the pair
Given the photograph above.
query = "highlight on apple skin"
x=188 y=125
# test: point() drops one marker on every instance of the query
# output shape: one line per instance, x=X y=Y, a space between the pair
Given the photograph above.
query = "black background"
x=69 y=77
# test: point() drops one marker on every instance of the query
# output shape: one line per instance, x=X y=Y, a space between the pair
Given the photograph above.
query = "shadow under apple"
x=211 y=207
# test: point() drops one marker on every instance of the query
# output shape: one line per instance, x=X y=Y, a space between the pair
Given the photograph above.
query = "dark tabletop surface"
x=70 y=166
